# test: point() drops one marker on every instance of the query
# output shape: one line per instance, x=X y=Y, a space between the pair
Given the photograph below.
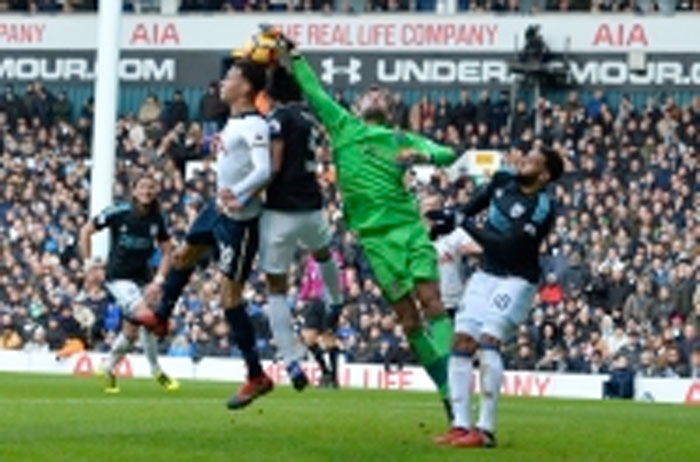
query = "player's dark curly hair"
x=555 y=164
x=255 y=74
x=282 y=87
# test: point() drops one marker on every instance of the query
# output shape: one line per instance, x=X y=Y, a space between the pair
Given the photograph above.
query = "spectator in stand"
x=400 y=116
x=596 y=365
x=421 y=113
x=212 y=111
x=483 y=109
x=464 y=112
x=624 y=248
x=38 y=343
x=675 y=363
x=639 y=304
x=521 y=121
x=177 y=111
x=595 y=105
x=524 y=360
x=62 y=108
x=550 y=292
x=442 y=113
x=695 y=363
x=9 y=337
x=150 y=110
x=646 y=368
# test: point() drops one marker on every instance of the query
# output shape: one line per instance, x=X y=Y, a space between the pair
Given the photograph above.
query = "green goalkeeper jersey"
x=370 y=179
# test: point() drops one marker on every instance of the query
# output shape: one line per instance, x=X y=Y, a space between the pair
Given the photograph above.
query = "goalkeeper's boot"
x=111 y=387
x=167 y=382
x=253 y=389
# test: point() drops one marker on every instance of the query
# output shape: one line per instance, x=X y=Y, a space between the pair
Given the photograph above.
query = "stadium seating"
x=622 y=262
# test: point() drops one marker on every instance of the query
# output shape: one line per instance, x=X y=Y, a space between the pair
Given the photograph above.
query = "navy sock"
x=244 y=337
x=318 y=356
x=173 y=286
x=333 y=355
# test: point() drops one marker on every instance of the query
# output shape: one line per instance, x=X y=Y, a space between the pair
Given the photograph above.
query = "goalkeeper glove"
x=443 y=222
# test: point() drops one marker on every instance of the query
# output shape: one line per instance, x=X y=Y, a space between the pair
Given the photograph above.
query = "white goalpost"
x=103 y=134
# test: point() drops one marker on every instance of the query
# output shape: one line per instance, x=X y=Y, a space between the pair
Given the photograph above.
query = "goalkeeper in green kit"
x=371 y=158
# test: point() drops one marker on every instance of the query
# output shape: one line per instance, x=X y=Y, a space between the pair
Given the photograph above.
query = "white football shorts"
x=127 y=294
x=493 y=305
x=281 y=232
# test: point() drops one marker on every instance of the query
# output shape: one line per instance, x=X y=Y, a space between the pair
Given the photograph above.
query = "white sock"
x=280 y=318
x=491 y=380
x=150 y=349
x=120 y=348
x=331 y=279
x=460 y=381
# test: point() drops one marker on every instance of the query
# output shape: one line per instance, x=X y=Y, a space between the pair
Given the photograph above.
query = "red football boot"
x=147 y=318
x=250 y=391
x=452 y=434
x=476 y=438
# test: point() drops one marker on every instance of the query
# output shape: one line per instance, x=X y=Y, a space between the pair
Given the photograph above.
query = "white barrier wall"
x=367 y=376
x=471 y=33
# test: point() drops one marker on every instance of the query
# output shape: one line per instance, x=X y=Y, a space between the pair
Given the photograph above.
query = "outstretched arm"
x=331 y=114
x=417 y=149
x=85 y=240
x=505 y=247
x=482 y=196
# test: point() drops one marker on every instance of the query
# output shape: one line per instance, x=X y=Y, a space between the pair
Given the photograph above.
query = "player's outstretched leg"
x=441 y=326
x=422 y=345
x=150 y=349
x=184 y=263
x=258 y=383
x=460 y=382
x=123 y=344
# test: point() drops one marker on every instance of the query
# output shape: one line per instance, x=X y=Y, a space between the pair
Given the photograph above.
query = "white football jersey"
x=243 y=161
x=449 y=250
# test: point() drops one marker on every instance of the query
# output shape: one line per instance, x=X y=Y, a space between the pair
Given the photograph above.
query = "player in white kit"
x=451 y=244
x=231 y=226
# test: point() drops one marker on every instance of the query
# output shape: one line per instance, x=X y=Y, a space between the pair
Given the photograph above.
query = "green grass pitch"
x=56 y=419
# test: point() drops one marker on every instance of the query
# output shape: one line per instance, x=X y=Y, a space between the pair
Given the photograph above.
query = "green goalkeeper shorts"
x=400 y=257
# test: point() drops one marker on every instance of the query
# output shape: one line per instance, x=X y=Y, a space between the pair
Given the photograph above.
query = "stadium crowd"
x=357 y=6
x=622 y=264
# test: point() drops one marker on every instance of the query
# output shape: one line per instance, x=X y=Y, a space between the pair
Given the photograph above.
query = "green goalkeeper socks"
x=434 y=362
x=443 y=331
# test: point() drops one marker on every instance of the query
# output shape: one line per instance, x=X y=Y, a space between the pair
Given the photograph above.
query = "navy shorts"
x=315 y=316
x=234 y=242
